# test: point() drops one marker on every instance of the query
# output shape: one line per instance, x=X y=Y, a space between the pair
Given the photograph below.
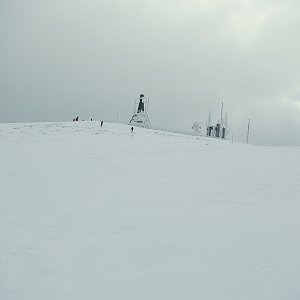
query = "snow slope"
x=99 y=213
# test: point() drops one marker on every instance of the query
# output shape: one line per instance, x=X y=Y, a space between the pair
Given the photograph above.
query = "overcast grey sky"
x=92 y=58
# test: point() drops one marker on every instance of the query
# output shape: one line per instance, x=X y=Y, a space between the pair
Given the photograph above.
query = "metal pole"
x=148 y=104
x=248 y=131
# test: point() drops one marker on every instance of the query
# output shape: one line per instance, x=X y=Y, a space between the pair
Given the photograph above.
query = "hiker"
x=102 y=123
x=131 y=129
x=77 y=118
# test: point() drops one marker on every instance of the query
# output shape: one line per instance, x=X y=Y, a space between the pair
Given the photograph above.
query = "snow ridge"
x=102 y=213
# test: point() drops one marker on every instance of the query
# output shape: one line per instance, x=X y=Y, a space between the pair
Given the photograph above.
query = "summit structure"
x=140 y=117
x=221 y=129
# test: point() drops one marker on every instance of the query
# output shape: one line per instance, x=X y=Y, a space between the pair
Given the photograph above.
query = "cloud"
x=92 y=58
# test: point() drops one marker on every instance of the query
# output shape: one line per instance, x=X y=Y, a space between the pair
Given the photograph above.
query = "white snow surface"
x=100 y=213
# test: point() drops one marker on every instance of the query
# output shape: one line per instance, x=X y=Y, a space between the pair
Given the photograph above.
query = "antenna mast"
x=209 y=119
x=226 y=121
x=222 y=115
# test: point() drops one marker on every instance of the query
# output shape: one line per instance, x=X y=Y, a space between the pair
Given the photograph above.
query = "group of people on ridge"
x=77 y=119
x=101 y=122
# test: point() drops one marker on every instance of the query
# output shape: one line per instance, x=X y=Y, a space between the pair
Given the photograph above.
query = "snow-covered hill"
x=99 y=213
